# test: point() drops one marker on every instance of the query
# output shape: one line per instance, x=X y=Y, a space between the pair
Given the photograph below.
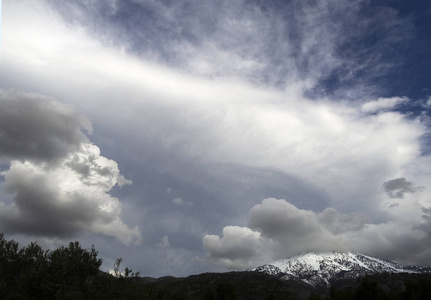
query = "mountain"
x=321 y=269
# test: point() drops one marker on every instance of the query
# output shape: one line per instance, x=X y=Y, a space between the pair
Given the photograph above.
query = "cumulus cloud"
x=277 y=229
x=382 y=104
x=338 y=223
x=293 y=230
x=280 y=230
x=58 y=179
x=38 y=128
x=398 y=187
x=236 y=249
x=277 y=218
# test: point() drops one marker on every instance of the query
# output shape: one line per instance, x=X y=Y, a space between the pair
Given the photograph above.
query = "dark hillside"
x=232 y=285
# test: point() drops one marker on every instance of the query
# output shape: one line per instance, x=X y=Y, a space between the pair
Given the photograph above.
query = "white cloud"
x=382 y=104
x=164 y=242
x=178 y=201
x=236 y=249
x=181 y=202
x=67 y=198
x=280 y=230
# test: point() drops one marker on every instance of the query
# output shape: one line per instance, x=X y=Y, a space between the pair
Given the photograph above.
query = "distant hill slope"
x=321 y=269
x=253 y=285
x=229 y=285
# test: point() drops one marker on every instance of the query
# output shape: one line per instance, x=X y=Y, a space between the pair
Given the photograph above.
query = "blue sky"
x=196 y=136
x=416 y=58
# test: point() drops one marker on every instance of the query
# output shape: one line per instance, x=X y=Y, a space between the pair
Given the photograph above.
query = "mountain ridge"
x=320 y=269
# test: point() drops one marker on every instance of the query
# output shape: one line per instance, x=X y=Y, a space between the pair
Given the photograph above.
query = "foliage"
x=127 y=273
x=65 y=273
x=226 y=291
x=32 y=273
x=385 y=287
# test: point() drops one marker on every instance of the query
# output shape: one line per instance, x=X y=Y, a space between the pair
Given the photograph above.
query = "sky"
x=215 y=135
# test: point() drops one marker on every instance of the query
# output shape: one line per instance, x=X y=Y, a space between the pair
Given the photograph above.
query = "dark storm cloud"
x=54 y=202
x=398 y=187
x=40 y=208
x=58 y=180
x=426 y=221
x=278 y=219
x=337 y=223
x=38 y=128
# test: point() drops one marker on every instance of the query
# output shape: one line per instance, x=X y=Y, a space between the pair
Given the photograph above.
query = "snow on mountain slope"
x=319 y=268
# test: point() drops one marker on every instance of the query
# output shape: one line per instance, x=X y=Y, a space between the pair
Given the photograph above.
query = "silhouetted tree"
x=9 y=269
x=33 y=266
x=32 y=273
x=70 y=269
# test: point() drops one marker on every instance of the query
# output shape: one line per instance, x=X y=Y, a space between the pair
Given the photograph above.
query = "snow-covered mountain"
x=319 y=269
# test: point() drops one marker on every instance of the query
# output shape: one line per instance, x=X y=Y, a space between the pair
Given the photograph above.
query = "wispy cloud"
x=322 y=44
x=382 y=104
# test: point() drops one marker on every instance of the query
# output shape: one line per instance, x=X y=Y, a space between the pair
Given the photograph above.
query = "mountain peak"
x=321 y=268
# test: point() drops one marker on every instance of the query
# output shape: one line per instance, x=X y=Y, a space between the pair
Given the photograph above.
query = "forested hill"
x=73 y=273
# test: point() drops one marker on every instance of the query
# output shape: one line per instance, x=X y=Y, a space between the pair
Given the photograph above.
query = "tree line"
x=65 y=273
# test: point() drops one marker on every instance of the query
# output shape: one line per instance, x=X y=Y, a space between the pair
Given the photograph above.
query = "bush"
x=32 y=273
